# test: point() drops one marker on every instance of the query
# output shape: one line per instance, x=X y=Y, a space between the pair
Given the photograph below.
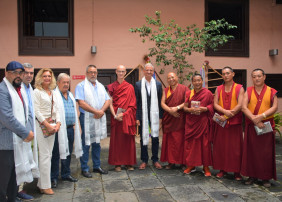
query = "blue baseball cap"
x=11 y=66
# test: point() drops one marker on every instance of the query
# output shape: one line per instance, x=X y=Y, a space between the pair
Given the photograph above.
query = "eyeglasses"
x=121 y=71
x=16 y=72
x=29 y=73
x=92 y=72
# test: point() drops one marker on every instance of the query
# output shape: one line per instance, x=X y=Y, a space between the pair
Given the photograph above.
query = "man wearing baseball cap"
x=15 y=131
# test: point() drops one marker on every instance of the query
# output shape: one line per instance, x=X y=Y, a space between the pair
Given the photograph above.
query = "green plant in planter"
x=278 y=122
x=173 y=43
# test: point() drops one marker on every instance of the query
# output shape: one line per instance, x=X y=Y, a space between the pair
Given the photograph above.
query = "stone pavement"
x=158 y=185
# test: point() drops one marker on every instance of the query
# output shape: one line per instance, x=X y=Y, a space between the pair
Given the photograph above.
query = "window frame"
x=55 y=46
x=228 y=49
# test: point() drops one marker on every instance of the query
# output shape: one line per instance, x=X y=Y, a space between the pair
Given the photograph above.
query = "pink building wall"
x=105 y=24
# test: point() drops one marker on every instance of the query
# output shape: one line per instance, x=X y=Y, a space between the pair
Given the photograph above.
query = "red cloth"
x=258 y=159
x=174 y=128
x=173 y=147
x=228 y=141
x=227 y=148
x=197 y=130
x=122 y=142
x=177 y=97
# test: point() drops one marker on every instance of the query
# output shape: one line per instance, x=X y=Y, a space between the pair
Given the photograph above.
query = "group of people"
x=39 y=127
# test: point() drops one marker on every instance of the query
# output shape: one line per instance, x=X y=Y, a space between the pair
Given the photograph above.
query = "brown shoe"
x=130 y=167
x=142 y=166
x=250 y=181
x=117 y=168
x=266 y=183
x=158 y=165
x=46 y=191
x=169 y=166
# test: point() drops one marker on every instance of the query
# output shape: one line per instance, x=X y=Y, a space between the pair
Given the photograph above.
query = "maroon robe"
x=197 y=133
x=174 y=128
x=122 y=142
x=258 y=159
x=228 y=141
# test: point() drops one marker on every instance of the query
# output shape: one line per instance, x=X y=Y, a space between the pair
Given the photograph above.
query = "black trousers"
x=144 y=148
x=8 y=183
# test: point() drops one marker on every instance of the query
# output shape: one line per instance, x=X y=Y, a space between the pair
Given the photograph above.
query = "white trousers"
x=45 y=147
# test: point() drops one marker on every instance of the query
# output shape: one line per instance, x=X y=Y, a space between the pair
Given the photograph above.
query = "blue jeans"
x=95 y=152
x=144 y=148
x=65 y=163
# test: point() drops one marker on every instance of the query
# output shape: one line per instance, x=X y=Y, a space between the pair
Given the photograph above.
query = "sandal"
x=169 y=166
x=117 y=168
x=142 y=166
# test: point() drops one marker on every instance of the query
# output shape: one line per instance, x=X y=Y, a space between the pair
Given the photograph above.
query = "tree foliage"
x=174 y=44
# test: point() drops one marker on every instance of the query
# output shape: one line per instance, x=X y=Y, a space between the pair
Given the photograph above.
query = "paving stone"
x=256 y=194
x=64 y=186
x=88 y=197
x=171 y=181
x=121 y=196
x=141 y=173
x=147 y=182
x=187 y=193
x=156 y=195
x=89 y=185
x=112 y=175
x=165 y=172
x=117 y=186
x=224 y=196
x=57 y=197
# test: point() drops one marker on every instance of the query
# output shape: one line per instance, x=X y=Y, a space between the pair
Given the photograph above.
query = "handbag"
x=45 y=131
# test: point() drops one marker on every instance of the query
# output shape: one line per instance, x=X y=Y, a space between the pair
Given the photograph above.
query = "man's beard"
x=93 y=80
x=16 y=85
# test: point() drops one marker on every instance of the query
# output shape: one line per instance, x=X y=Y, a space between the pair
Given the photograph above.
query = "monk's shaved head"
x=121 y=67
x=120 y=71
x=172 y=79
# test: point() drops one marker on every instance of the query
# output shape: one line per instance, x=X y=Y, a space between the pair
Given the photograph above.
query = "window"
x=45 y=27
x=274 y=81
x=235 y=12
x=214 y=81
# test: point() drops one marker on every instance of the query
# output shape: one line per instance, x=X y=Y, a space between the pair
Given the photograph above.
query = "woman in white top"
x=44 y=100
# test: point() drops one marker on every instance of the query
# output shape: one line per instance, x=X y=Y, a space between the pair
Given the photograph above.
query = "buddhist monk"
x=199 y=108
x=123 y=122
x=173 y=122
x=259 y=105
x=228 y=140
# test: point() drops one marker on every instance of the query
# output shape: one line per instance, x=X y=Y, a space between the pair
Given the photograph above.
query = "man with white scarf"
x=27 y=92
x=149 y=113
x=68 y=134
x=15 y=129
x=93 y=101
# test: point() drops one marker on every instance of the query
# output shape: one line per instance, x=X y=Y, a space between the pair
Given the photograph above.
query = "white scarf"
x=95 y=129
x=23 y=166
x=35 y=170
x=154 y=113
x=62 y=134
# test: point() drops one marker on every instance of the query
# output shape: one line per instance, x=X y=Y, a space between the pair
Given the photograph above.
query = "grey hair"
x=27 y=65
x=61 y=76
x=149 y=65
x=89 y=67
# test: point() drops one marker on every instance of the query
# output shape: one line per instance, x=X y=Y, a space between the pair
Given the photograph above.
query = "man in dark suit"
x=149 y=113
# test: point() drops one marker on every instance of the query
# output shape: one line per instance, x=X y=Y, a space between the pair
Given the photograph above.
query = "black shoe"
x=70 y=179
x=54 y=183
x=100 y=170
x=86 y=174
x=18 y=200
